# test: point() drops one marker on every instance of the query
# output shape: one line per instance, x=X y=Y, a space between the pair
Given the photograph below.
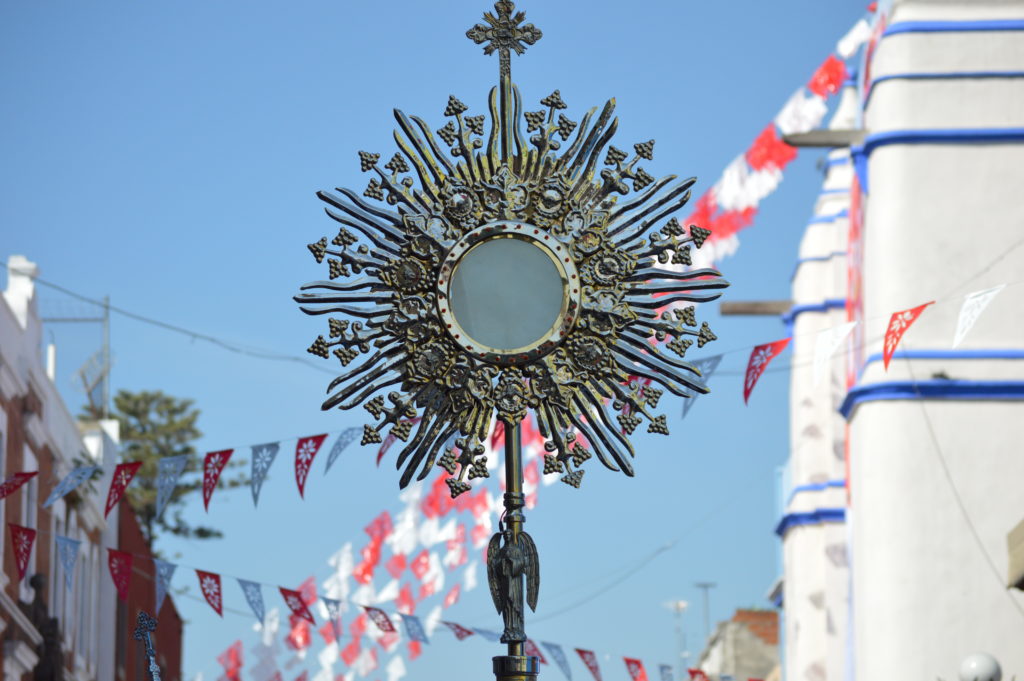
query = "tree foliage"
x=153 y=426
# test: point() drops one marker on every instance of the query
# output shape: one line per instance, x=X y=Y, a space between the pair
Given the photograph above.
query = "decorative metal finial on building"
x=144 y=627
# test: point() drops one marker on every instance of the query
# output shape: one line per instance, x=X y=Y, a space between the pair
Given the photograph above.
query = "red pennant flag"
x=358 y=626
x=421 y=564
x=277 y=676
x=636 y=669
x=531 y=650
x=460 y=631
x=452 y=597
x=396 y=565
x=120 y=564
x=769 y=151
x=231 y=660
x=209 y=584
x=305 y=450
x=293 y=599
x=350 y=652
x=405 y=602
x=123 y=475
x=380 y=528
x=759 y=359
x=22 y=539
x=304 y=676
x=697 y=674
x=299 y=637
x=380 y=618
x=212 y=467
x=388 y=641
x=898 y=325
x=415 y=649
x=590 y=659
x=12 y=483
x=828 y=78
x=327 y=633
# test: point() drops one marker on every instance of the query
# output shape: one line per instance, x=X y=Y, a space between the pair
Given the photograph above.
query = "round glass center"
x=506 y=294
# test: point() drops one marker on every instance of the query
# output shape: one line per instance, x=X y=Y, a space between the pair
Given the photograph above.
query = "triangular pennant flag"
x=120 y=564
x=168 y=473
x=262 y=457
x=67 y=553
x=452 y=597
x=530 y=649
x=826 y=344
x=635 y=668
x=366 y=662
x=350 y=653
x=73 y=480
x=395 y=669
x=254 y=597
x=293 y=599
x=12 y=483
x=488 y=634
x=22 y=539
x=974 y=304
x=305 y=450
x=414 y=628
x=666 y=672
x=333 y=606
x=760 y=357
x=380 y=618
x=460 y=631
x=164 y=572
x=697 y=674
x=213 y=464
x=590 y=659
x=898 y=325
x=706 y=366
x=123 y=475
x=558 y=655
x=343 y=441
x=209 y=584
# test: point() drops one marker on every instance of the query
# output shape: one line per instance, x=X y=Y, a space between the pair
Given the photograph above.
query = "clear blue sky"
x=167 y=155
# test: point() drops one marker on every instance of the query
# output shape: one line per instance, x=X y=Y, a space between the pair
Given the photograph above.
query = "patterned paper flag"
x=304 y=676
x=168 y=472
x=305 y=450
x=452 y=597
x=12 y=483
x=826 y=344
x=706 y=366
x=213 y=464
x=22 y=539
x=67 y=552
x=460 y=631
x=333 y=606
x=350 y=653
x=380 y=618
x=530 y=649
x=262 y=457
x=120 y=564
x=414 y=628
x=666 y=672
x=123 y=475
x=898 y=325
x=164 y=572
x=209 y=584
x=343 y=441
x=696 y=674
x=558 y=655
x=395 y=669
x=636 y=669
x=73 y=480
x=590 y=659
x=366 y=662
x=492 y=636
x=974 y=304
x=760 y=357
x=254 y=597
x=293 y=599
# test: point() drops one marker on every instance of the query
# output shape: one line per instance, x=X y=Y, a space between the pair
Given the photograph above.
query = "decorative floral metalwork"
x=592 y=384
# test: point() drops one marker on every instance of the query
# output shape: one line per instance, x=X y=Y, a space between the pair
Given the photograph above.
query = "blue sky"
x=167 y=155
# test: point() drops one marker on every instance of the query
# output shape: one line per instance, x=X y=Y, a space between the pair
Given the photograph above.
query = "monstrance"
x=496 y=274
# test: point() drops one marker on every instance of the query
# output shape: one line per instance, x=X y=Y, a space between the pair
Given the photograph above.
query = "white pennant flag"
x=827 y=342
x=73 y=480
x=67 y=552
x=854 y=38
x=469 y=577
x=164 y=572
x=168 y=471
x=974 y=304
x=804 y=111
x=395 y=669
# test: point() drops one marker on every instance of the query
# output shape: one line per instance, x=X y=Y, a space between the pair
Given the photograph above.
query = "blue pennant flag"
x=414 y=628
x=559 y=656
x=168 y=471
x=164 y=572
x=262 y=457
x=254 y=595
x=666 y=670
x=333 y=606
x=488 y=634
x=73 y=480
x=706 y=367
x=67 y=551
x=344 y=440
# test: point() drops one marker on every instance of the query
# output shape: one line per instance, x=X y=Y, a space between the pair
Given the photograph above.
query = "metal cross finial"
x=504 y=33
x=145 y=626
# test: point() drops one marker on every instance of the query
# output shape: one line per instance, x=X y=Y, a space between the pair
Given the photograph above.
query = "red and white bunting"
x=350 y=653
x=460 y=631
x=898 y=325
x=760 y=357
x=828 y=78
x=209 y=584
x=635 y=668
x=22 y=538
x=12 y=483
x=530 y=649
x=213 y=464
x=293 y=599
x=123 y=475
x=380 y=618
x=697 y=675
x=974 y=304
x=305 y=449
x=452 y=597
x=590 y=659
x=120 y=564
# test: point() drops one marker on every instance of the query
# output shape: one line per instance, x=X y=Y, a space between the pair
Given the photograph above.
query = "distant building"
x=744 y=647
x=85 y=631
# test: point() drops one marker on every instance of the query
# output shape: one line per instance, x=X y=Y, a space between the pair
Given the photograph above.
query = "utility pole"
x=706 y=587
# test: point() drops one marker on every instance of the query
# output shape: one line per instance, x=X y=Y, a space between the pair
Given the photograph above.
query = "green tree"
x=153 y=426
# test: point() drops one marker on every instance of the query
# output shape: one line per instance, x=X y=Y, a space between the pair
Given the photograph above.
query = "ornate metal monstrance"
x=503 y=276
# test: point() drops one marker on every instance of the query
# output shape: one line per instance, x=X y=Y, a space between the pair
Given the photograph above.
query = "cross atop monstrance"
x=503 y=34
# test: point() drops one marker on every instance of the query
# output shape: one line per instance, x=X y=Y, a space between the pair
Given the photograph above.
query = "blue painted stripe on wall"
x=932 y=389
x=831 y=217
x=827 y=304
x=815 y=487
x=815 y=258
x=952 y=75
x=966 y=353
x=954 y=26
x=815 y=517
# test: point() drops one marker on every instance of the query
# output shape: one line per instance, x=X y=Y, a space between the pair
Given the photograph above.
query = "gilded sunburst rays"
x=594 y=379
